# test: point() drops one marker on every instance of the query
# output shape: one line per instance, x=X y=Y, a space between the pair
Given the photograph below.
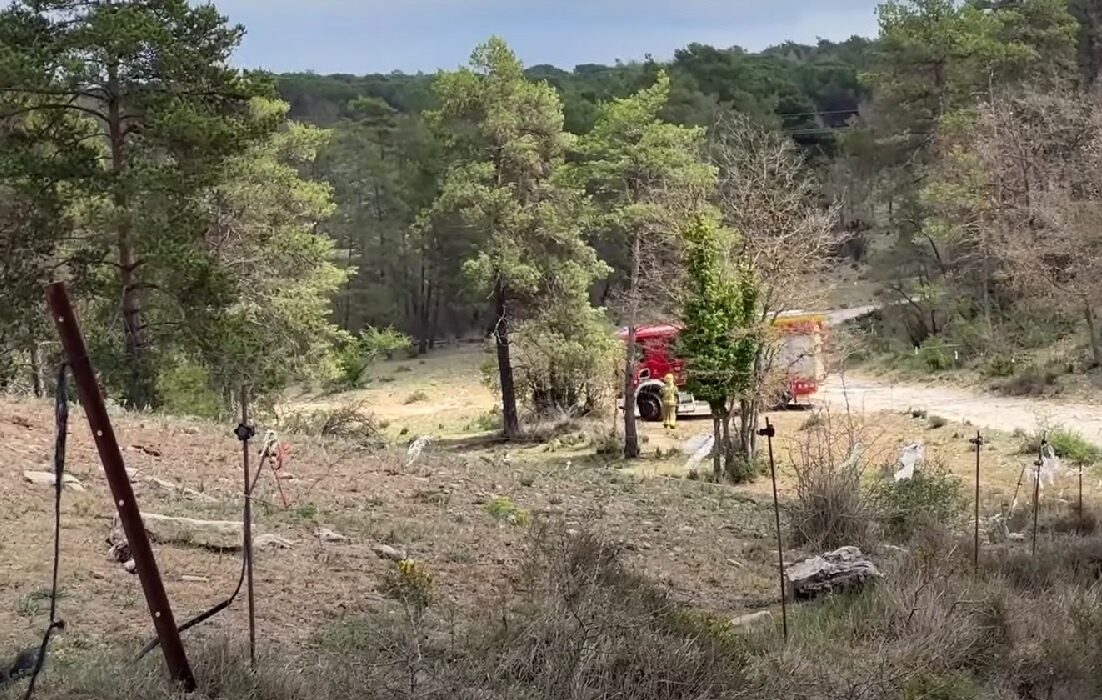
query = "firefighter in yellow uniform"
x=669 y=403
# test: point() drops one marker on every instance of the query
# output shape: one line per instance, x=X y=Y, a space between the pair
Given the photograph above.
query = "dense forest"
x=224 y=226
x=381 y=161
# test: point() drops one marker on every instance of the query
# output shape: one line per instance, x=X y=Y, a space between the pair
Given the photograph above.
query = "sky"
x=379 y=36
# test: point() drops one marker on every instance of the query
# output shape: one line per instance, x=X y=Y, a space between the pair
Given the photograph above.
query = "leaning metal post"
x=91 y=400
x=769 y=432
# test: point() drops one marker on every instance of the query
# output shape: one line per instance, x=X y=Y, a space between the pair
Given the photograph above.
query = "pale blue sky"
x=372 y=36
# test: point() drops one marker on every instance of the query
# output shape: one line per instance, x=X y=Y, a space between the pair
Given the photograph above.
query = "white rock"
x=752 y=619
x=844 y=568
x=48 y=479
x=210 y=534
x=385 y=551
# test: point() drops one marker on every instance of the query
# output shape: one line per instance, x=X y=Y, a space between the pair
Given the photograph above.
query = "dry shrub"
x=831 y=508
x=221 y=670
x=929 y=625
x=347 y=422
x=588 y=627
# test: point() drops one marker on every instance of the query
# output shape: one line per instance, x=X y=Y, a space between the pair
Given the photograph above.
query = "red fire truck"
x=799 y=354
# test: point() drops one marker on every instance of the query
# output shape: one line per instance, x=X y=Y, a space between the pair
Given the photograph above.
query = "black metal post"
x=769 y=432
x=244 y=433
x=1037 y=491
x=978 y=442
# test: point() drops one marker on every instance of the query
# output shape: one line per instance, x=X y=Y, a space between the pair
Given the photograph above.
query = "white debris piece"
x=697 y=449
x=1049 y=467
x=416 y=448
x=909 y=458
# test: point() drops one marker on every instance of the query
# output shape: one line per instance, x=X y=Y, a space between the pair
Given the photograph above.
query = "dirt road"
x=866 y=393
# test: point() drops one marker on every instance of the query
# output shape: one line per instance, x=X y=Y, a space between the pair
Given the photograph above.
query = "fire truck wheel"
x=650 y=406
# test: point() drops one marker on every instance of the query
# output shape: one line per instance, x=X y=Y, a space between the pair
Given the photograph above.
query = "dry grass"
x=664 y=563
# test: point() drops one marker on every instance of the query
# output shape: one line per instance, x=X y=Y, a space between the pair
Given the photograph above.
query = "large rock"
x=843 y=569
x=48 y=478
x=210 y=534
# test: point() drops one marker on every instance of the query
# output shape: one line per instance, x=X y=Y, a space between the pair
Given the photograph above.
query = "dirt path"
x=867 y=394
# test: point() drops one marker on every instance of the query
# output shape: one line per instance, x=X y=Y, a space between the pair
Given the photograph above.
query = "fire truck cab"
x=799 y=355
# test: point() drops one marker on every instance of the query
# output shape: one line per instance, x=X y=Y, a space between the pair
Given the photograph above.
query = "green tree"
x=154 y=78
x=719 y=314
x=272 y=325
x=505 y=139
x=645 y=175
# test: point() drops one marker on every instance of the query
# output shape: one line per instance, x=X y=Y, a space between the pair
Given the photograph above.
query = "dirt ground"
x=711 y=545
x=871 y=394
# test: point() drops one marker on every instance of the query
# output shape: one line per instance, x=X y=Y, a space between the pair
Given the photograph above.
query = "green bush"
x=185 y=390
x=1068 y=444
x=379 y=343
x=564 y=362
x=904 y=507
x=935 y=356
x=937 y=422
x=356 y=355
x=999 y=366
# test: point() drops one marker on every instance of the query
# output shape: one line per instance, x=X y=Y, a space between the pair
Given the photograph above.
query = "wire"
x=204 y=616
x=61 y=410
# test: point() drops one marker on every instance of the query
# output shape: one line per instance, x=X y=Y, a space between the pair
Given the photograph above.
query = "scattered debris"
x=416 y=448
x=272 y=542
x=152 y=452
x=833 y=572
x=119 y=550
x=48 y=479
x=909 y=458
x=194 y=579
x=181 y=490
x=327 y=535
x=1016 y=537
x=697 y=449
x=385 y=551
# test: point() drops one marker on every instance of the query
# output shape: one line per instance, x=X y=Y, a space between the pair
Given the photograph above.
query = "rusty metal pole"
x=114 y=469
x=244 y=433
x=769 y=432
x=978 y=442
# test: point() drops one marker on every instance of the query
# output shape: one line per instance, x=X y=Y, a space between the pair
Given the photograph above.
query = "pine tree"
x=153 y=77
x=505 y=139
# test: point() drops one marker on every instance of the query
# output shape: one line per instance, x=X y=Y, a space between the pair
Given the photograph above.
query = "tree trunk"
x=728 y=445
x=434 y=321
x=1096 y=346
x=139 y=390
x=748 y=428
x=717 y=450
x=631 y=434
x=509 y=416
x=36 y=370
